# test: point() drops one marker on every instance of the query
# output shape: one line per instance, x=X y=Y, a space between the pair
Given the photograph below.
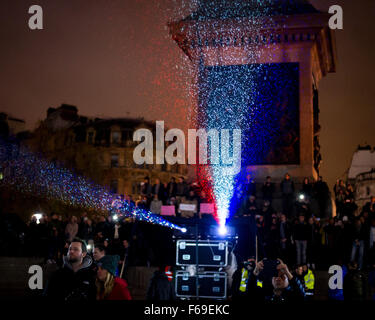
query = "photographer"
x=240 y=279
x=284 y=287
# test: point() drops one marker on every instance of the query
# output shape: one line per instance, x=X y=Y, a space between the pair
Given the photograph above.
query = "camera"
x=249 y=264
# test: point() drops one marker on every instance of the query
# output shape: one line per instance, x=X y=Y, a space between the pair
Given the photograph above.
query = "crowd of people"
x=297 y=232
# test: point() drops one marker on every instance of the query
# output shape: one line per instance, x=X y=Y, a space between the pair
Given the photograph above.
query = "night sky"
x=115 y=58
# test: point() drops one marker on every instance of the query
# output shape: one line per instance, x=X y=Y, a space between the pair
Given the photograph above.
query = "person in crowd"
x=108 y=286
x=156 y=204
x=87 y=232
x=285 y=238
x=312 y=242
x=160 y=287
x=81 y=223
x=71 y=229
x=181 y=190
x=75 y=281
x=359 y=237
x=249 y=186
x=340 y=185
x=371 y=279
x=55 y=239
x=250 y=207
x=268 y=189
x=372 y=240
x=158 y=190
x=287 y=190
x=267 y=212
x=322 y=196
x=308 y=281
x=355 y=284
x=300 y=237
x=349 y=207
x=307 y=188
x=285 y=287
x=43 y=236
x=298 y=273
x=146 y=188
x=102 y=227
x=349 y=192
x=240 y=279
x=272 y=233
x=340 y=200
x=126 y=258
x=99 y=251
x=172 y=188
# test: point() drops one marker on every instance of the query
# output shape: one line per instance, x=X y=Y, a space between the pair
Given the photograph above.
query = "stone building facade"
x=361 y=174
x=99 y=149
x=241 y=34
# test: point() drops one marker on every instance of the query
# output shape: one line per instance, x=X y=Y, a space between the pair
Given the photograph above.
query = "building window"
x=368 y=191
x=136 y=188
x=114 y=160
x=127 y=135
x=90 y=137
x=113 y=187
x=116 y=137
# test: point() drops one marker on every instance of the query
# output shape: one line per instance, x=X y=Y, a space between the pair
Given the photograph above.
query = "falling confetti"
x=28 y=173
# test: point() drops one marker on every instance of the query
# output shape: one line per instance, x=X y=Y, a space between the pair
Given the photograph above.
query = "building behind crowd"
x=100 y=149
x=10 y=125
x=361 y=174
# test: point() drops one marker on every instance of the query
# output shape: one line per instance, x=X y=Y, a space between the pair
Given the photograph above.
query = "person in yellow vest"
x=240 y=279
x=309 y=281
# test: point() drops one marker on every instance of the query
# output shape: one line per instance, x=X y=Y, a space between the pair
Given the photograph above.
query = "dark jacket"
x=267 y=190
x=250 y=188
x=172 y=188
x=287 y=187
x=146 y=189
x=293 y=293
x=159 y=190
x=160 y=288
x=182 y=189
x=301 y=231
x=87 y=232
x=355 y=286
x=67 y=285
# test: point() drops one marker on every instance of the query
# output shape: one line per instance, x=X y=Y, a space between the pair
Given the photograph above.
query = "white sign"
x=187 y=207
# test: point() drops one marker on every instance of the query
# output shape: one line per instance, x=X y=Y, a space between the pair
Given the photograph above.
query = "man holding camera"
x=272 y=281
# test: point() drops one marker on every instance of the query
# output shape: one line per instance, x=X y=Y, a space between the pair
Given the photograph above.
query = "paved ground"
x=14 y=279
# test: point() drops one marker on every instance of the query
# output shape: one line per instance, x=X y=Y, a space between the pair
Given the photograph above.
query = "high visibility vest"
x=168 y=273
x=309 y=279
x=244 y=278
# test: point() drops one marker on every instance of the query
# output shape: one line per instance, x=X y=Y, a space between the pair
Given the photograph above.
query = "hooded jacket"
x=67 y=285
x=160 y=288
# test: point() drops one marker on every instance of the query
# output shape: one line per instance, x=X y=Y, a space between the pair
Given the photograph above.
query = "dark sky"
x=115 y=58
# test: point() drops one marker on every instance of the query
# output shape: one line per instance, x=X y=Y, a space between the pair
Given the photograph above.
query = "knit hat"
x=109 y=263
